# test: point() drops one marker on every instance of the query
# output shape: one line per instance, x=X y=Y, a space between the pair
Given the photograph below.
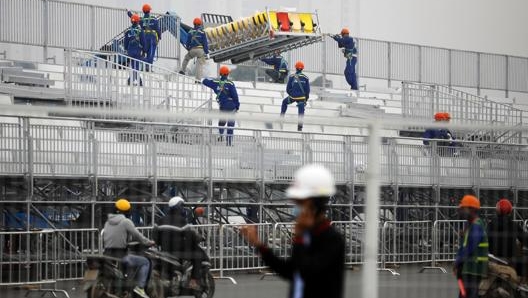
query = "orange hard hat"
x=135 y=18
x=146 y=8
x=345 y=31
x=504 y=207
x=442 y=116
x=199 y=211
x=224 y=71
x=197 y=22
x=299 y=65
x=469 y=201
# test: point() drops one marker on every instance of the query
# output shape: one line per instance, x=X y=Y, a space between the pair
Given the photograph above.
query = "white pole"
x=370 y=274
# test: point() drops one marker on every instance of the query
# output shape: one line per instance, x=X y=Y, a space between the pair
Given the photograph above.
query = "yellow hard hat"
x=122 y=205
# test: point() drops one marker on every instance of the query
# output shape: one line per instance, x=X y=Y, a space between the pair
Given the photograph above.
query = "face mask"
x=465 y=215
x=296 y=211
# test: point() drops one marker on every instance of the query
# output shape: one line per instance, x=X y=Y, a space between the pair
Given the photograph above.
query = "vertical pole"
x=478 y=74
x=92 y=27
x=450 y=61
x=507 y=83
x=178 y=47
x=370 y=277
x=154 y=169
x=324 y=70
x=389 y=62
x=420 y=64
x=45 y=30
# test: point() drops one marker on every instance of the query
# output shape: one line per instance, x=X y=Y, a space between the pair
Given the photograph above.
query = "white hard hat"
x=311 y=181
x=176 y=201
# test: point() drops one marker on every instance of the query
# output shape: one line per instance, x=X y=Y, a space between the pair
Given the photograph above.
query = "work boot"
x=140 y=292
x=220 y=139
x=181 y=72
x=299 y=127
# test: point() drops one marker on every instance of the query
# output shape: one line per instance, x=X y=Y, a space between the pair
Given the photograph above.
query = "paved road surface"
x=410 y=284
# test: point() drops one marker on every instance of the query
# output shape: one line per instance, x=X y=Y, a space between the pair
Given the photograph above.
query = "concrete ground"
x=410 y=284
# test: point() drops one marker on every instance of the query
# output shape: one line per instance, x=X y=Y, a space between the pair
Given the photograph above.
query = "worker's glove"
x=207 y=56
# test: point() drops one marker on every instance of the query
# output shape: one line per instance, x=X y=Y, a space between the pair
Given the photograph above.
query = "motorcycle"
x=502 y=281
x=108 y=277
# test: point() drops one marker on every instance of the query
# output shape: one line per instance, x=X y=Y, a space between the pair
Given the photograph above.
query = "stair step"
x=27 y=80
x=16 y=71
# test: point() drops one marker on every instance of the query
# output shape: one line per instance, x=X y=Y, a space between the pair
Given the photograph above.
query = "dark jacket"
x=320 y=263
x=226 y=93
x=503 y=234
x=298 y=87
x=118 y=231
x=174 y=236
x=442 y=134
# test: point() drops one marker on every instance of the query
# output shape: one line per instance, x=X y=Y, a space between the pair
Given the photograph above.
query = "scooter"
x=502 y=281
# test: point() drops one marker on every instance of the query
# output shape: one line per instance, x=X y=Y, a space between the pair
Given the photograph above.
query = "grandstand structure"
x=64 y=170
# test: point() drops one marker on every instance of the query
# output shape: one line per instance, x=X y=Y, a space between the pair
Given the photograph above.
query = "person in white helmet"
x=316 y=266
x=181 y=241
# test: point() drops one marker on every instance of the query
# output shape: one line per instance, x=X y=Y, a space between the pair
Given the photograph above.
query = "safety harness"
x=146 y=26
x=194 y=37
x=135 y=32
x=221 y=84
x=297 y=80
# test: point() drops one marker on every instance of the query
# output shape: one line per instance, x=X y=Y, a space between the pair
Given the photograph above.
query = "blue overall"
x=280 y=68
x=298 y=90
x=350 y=53
x=227 y=98
x=134 y=45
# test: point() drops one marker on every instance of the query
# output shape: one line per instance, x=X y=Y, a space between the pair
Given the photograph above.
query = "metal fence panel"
x=435 y=65
x=464 y=69
x=407 y=242
x=12 y=152
x=446 y=239
x=70 y=25
x=518 y=74
x=414 y=164
x=405 y=62
x=353 y=232
x=374 y=63
x=282 y=157
x=108 y=22
x=22 y=21
x=493 y=71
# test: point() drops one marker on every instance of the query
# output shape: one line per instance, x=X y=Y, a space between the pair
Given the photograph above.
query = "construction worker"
x=227 y=98
x=316 y=266
x=503 y=235
x=350 y=52
x=280 y=67
x=118 y=230
x=134 y=44
x=439 y=133
x=298 y=90
x=471 y=263
x=197 y=47
x=152 y=30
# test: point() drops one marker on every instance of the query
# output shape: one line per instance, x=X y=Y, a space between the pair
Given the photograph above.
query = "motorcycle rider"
x=118 y=231
x=182 y=243
x=503 y=236
x=471 y=263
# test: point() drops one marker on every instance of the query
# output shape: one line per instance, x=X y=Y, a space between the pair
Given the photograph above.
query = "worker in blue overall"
x=280 y=67
x=152 y=31
x=227 y=98
x=134 y=45
x=350 y=51
x=197 y=47
x=298 y=90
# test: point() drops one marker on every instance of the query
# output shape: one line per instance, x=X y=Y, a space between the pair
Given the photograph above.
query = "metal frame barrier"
x=55 y=147
x=446 y=234
x=235 y=254
x=354 y=234
x=30 y=258
x=107 y=81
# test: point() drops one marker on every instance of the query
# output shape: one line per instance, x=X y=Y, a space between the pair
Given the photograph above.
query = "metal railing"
x=54 y=147
x=67 y=25
x=38 y=257
x=89 y=27
x=107 y=81
x=422 y=101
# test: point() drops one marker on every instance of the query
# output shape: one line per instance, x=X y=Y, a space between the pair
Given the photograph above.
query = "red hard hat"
x=199 y=211
x=504 y=207
x=146 y=8
x=135 y=18
x=197 y=22
x=469 y=201
x=299 y=65
x=345 y=31
x=224 y=71
x=442 y=116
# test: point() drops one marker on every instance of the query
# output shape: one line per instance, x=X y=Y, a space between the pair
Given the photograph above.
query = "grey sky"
x=479 y=25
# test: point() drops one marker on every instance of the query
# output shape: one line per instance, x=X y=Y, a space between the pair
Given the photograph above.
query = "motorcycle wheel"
x=208 y=286
x=98 y=290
